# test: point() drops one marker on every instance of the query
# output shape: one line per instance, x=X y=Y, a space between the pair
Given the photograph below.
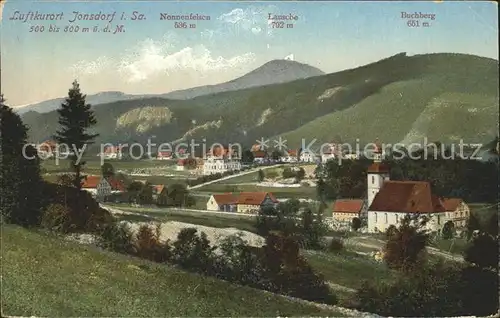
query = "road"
x=233 y=176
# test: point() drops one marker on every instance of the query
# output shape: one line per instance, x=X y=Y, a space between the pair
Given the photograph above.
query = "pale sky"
x=152 y=56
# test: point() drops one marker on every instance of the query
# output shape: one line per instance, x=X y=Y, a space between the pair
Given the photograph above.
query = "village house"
x=164 y=155
x=309 y=156
x=226 y=202
x=181 y=165
x=221 y=160
x=390 y=201
x=260 y=157
x=253 y=202
x=343 y=211
x=351 y=155
x=158 y=190
x=290 y=156
x=102 y=188
x=112 y=152
x=244 y=202
x=330 y=153
x=47 y=149
x=457 y=211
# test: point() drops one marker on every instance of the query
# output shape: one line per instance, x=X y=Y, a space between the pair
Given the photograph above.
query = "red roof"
x=255 y=147
x=378 y=167
x=406 y=197
x=116 y=184
x=164 y=154
x=451 y=204
x=255 y=198
x=48 y=145
x=113 y=149
x=347 y=206
x=225 y=198
x=158 y=188
x=220 y=152
x=259 y=154
x=91 y=182
x=292 y=153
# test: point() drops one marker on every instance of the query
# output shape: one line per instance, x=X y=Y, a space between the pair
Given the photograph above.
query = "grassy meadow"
x=46 y=276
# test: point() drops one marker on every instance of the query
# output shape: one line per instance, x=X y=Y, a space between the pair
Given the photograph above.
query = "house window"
x=439 y=219
x=386 y=218
x=397 y=218
x=376 y=218
x=373 y=180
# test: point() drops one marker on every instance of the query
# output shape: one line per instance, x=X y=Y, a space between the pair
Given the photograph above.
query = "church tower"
x=376 y=174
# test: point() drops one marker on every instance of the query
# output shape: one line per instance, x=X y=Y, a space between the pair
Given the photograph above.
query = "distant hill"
x=273 y=72
x=443 y=97
x=95 y=99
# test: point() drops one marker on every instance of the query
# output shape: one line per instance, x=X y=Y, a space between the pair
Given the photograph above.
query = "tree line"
x=471 y=180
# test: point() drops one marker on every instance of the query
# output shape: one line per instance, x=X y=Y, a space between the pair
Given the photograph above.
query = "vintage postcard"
x=249 y=158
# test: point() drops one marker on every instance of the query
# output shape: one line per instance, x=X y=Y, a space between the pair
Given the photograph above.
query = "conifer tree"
x=75 y=118
x=20 y=181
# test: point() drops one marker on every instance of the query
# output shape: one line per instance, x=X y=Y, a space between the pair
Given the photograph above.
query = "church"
x=387 y=202
x=390 y=201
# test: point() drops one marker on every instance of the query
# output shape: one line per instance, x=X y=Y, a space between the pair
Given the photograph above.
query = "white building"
x=181 y=165
x=164 y=155
x=112 y=152
x=308 y=156
x=390 y=201
x=220 y=161
x=213 y=165
x=290 y=157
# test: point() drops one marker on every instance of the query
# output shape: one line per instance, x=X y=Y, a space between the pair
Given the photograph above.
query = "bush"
x=405 y=249
x=335 y=245
x=448 y=230
x=56 y=217
x=193 y=252
x=117 y=237
x=85 y=214
x=483 y=251
x=356 y=224
x=437 y=290
x=391 y=230
x=288 y=273
x=149 y=246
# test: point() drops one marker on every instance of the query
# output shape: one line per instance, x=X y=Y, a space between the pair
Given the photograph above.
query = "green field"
x=45 y=276
x=347 y=269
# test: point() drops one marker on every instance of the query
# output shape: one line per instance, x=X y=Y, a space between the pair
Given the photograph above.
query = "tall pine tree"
x=75 y=118
x=20 y=181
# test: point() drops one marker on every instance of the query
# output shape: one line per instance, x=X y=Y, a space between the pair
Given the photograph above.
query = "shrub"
x=356 y=224
x=391 y=230
x=56 y=217
x=448 y=230
x=193 y=252
x=117 y=237
x=335 y=245
x=437 y=290
x=85 y=214
x=149 y=246
x=483 y=251
x=288 y=273
x=405 y=249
